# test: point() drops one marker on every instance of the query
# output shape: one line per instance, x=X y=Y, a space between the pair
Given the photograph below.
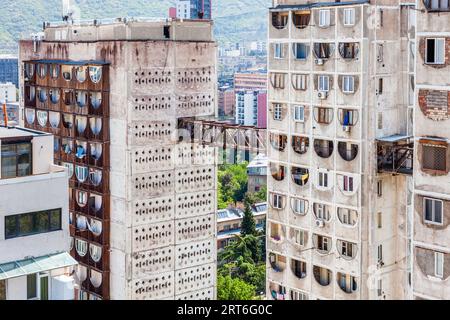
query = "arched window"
x=81 y=247
x=323 y=50
x=298 y=268
x=81 y=124
x=300 y=51
x=323 y=148
x=55 y=118
x=277 y=262
x=96 y=99
x=349 y=50
x=54 y=71
x=277 y=171
x=300 y=144
x=95 y=176
x=41 y=70
x=67 y=146
x=299 y=206
x=95 y=73
x=322 y=275
x=347 y=217
x=348 y=117
x=95 y=252
x=42 y=94
x=54 y=96
x=300 y=176
x=66 y=72
x=347 y=150
x=81 y=74
x=323 y=115
x=81 y=98
x=322 y=212
x=347 y=282
x=29 y=70
x=346 y=249
x=322 y=243
x=81 y=149
x=278 y=141
x=42 y=117
x=280 y=19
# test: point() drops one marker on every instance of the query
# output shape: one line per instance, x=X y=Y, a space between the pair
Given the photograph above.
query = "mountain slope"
x=235 y=20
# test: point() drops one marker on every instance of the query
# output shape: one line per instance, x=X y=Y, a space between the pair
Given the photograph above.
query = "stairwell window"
x=435 y=51
x=348 y=84
x=324 y=18
x=349 y=17
x=433 y=211
x=439 y=264
x=323 y=179
x=278 y=51
x=277 y=112
x=324 y=83
x=299 y=113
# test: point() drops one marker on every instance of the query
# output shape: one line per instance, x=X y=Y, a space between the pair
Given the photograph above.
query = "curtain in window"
x=95 y=227
x=67 y=146
x=95 y=176
x=95 y=73
x=42 y=94
x=96 y=125
x=81 y=98
x=55 y=118
x=82 y=198
x=96 y=278
x=81 y=149
x=96 y=150
x=96 y=99
x=299 y=81
x=69 y=167
x=67 y=121
x=81 y=124
x=81 y=272
x=30 y=115
x=42 y=117
x=81 y=247
x=81 y=222
x=95 y=252
x=54 y=96
x=81 y=74
x=97 y=205
x=81 y=173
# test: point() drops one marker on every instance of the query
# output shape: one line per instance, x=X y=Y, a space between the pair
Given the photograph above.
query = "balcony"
x=395 y=154
x=278 y=265
x=277 y=291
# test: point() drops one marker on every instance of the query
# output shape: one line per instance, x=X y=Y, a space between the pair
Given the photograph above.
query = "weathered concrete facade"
x=161 y=192
x=338 y=81
x=431 y=240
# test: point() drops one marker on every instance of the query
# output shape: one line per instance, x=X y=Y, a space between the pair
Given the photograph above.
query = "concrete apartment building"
x=34 y=219
x=194 y=9
x=142 y=204
x=341 y=101
x=251 y=108
x=250 y=81
x=431 y=202
x=226 y=101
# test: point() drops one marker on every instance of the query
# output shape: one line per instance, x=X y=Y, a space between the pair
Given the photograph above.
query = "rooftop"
x=259 y=161
x=18 y=132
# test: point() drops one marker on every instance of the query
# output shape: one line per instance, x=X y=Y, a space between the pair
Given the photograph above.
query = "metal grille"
x=434 y=158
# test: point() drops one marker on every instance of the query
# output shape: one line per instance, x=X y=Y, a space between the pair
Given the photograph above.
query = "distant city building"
x=257 y=173
x=12 y=109
x=8 y=92
x=194 y=9
x=183 y=9
x=250 y=81
x=35 y=263
x=9 y=70
x=229 y=223
x=251 y=108
x=227 y=101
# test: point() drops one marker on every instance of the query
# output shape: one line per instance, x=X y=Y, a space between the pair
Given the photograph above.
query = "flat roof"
x=18 y=132
x=394 y=138
x=71 y=62
x=25 y=267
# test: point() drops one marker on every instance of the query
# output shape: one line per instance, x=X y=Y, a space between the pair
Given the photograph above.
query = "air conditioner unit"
x=322 y=95
x=320 y=223
x=346 y=128
x=320 y=62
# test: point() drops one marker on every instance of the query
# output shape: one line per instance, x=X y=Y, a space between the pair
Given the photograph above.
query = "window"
x=347 y=249
x=434 y=157
x=32 y=286
x=297 y=295
x=347 y=184
x=321 y=212
x=435 y=51
x=349 y=17
x=323 y=243
x=300 y=176
x=439 y=264
x=380 y=253
x=437 y=5
x=380 y=86
x=277 y=80
x=277 y=201
x=278 y=52
x=323 y=148
x=300 y=144
x=324 y=18
x=32 y=223
x=166 y=31
x=380 y=287
x=280 y=19
x=299 y=113
x=277 y=111
x=323 y=179
x=380 y=188
x=324 y=83
x=300 y=51
x=379 y=220
x=348 y=84
x=81 y=247
x=349 y=50
x=323 y=50
x=347 y=217
x=433 y=211
x=16 y=159
x=300 y=237
x=278 y=141
x=299 y=81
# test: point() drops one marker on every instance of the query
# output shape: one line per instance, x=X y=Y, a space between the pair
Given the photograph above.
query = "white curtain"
x=96 y=99
x=96 y=278
x=95 y=176
x=95 y=227
x=81 y=222
x=30 y=115
x=81 y=173
x=96 y=150
x=55 y=118
x=81 y=247
x=96 y=125
x=95 y=73
x=95 y=252
x=81 y=123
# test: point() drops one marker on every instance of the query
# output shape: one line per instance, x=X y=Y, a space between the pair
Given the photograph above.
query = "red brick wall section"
x=429 y=101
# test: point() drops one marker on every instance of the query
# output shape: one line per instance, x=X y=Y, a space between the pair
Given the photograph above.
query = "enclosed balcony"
x=277 y=171
x=347 y=283
x=301 y=18
x=395 y=154
x=280 y=19
x=322 y=244
x=347 y=250
x=348 y=118
x=323 y=276
x=278 y=141
x=277 y=232
x=323 y=148
x=300 y=176
x=300 y=145
x=277 y=291
x=349 y=50
x=277 y=262
x=347 y=150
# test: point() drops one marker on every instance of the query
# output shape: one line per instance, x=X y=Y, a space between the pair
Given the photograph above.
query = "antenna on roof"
x=70 y=11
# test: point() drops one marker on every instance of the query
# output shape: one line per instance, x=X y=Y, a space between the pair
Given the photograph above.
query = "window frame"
x=301 y=112
x=436 y=52
x=439 y=269
x=433 y=200
x=324 y=14
x=321 y=83
x=278 y=52
x=17 y=143
x=34 y=216
x=351 y=84
x=352 y=16
x=323 y=180
x=277 y=112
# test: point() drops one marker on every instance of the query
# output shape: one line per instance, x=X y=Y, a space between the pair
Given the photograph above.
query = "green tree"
x=247 y=247
x=229 y=288
x=248 y=222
